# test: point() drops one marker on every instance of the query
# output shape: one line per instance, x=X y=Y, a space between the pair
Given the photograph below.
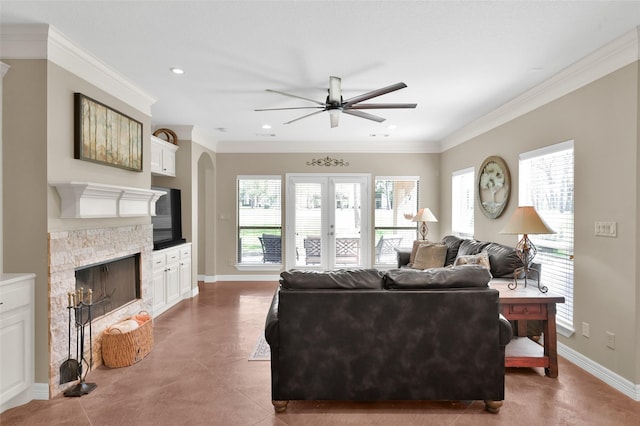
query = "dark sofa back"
x=387 y=345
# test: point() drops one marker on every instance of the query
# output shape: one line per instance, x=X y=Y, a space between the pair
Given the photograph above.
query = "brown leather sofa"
x=365 y=335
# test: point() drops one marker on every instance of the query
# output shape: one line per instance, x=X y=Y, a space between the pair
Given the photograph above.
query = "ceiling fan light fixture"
x=335 y=105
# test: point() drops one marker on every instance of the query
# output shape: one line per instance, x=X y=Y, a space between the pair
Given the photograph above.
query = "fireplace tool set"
x=71 y=369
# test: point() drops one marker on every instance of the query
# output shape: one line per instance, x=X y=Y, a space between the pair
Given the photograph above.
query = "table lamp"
x=423 y=216
x=525 y=220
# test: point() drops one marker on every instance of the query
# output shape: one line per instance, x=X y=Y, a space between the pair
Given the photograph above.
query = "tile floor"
x=198 y=373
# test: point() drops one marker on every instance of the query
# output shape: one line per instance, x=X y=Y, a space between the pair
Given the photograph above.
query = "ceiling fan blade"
x=295 y=96
x=381 y=106
x=282 y=109
x=374 y=93
x=363 y=115
x=304 y=116
x=335 y=91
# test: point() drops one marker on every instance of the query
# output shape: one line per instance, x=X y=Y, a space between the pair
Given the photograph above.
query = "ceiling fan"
x=334 y=103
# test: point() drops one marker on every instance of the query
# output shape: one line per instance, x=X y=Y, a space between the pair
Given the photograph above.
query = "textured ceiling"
x=460 y=60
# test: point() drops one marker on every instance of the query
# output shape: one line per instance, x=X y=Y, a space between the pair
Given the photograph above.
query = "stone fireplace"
x=72 y=252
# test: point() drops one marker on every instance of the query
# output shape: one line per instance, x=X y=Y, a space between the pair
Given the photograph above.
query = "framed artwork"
x=494 y=186
x=104 y=135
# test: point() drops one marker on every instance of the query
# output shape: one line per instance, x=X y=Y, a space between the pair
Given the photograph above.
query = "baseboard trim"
x=40 y=391
x=207 y=279
x=609 y=377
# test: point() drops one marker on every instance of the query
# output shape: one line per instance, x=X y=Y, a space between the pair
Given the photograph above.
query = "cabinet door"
x=185 y=277
x=159 y=298
x=156 y=158
x=15 y=352
x=168 y=162
x=172 y=284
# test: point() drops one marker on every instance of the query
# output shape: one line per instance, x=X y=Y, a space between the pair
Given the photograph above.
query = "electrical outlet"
x=585 y=329
x=611 y=340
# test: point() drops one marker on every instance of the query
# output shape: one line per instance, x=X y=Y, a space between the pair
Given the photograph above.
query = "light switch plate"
x=606 y=229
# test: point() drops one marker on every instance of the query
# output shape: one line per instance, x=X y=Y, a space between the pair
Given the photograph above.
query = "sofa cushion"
x=481 y=259
x=464 y=276
x=503 y=259
x=348 y=279
x=453 y=245
x=471 y=247
x=430 y=256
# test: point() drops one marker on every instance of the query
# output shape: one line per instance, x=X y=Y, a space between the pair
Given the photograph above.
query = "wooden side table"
x=523 y=304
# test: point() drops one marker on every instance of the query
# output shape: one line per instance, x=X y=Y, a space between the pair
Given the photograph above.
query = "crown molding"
x=41 y=41
x=609 y=58
x=192 y=133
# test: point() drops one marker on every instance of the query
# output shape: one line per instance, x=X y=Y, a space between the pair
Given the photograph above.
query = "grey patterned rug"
x=261 y=352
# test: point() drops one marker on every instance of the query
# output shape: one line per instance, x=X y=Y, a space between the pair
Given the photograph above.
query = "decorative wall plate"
x=494 y=186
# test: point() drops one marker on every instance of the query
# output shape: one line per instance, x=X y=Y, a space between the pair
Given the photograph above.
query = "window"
x=259 y=220
x=546 y=182
x=462 y=202
x=395 y=205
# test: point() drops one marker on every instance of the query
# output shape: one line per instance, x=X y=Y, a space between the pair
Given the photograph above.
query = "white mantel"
x=96 y=200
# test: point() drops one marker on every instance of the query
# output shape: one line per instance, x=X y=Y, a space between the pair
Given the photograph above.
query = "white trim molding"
x=609 y=377
x=619 y=53
x=92 y=200
x=217 y=278
x=42 y=41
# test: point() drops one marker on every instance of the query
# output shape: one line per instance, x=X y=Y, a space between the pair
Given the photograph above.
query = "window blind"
x=462 y=202
x=547 y=182
x=259 y=214
x=396 y=202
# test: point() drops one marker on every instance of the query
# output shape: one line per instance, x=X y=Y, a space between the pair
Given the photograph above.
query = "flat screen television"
x=167 y=223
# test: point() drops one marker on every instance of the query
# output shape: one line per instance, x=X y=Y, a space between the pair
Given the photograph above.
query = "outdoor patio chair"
x=271 y=248
x=387 y=247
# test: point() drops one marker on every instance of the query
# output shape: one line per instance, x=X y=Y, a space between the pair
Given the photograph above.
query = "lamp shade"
x=424 y=215
x=525 y=220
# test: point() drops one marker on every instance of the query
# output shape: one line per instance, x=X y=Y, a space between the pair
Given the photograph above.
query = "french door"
x=327 y=219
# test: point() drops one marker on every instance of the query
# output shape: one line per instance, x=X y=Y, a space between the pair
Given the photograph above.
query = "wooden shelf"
x=524 y=352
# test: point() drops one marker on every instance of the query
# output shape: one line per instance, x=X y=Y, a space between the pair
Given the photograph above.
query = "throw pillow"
x=481 y=259
x=430 y=256
x=414 y=250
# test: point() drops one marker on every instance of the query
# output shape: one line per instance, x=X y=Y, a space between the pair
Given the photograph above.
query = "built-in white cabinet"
x=16 y=339
x=171 y=277
x=185 y=271
x=163 y=157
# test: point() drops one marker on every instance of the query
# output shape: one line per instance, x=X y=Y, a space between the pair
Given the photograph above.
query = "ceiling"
x=460 y=60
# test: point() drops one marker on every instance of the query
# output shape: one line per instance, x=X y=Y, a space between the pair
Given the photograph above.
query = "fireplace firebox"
x=114 y=283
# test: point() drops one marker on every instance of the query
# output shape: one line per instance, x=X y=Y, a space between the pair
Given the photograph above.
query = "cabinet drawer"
x=14 y=297
x=159 y=261
x=532 y=309
x=173 y=256
x=185 y=253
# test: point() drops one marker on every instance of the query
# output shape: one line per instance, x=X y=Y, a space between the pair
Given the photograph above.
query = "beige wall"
x=62 y=166
x=229 y=166
x=602 y=119
x=25 y=188
x=38 y=149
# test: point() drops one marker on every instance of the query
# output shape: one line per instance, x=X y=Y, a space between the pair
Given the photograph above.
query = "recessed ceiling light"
x=391 y=126
x=176 y=70
x=266 y=126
